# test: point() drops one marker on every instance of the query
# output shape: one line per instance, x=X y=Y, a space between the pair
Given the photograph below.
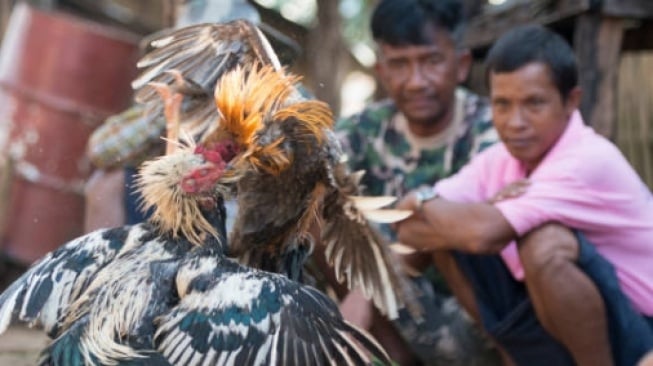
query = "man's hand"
x=409 y=202
x=512 y=190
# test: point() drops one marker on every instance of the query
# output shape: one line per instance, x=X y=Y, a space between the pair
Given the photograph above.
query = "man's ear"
x=381 y=75
x=464 y=64
x=378 y=69
x=573 y=100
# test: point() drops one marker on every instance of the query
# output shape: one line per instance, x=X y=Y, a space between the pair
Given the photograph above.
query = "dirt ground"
x=20 y=346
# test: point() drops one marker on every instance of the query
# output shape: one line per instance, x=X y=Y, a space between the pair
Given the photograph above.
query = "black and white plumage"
x=163 y=292
x=289 y=171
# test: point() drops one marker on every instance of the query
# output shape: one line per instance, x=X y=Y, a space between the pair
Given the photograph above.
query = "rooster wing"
x=231 y=315
x=44 y=293
x=191 y=60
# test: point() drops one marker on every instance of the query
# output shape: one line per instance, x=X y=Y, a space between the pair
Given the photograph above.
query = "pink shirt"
x=583 y=182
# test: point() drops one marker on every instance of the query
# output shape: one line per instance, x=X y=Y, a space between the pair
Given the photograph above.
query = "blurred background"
x=66 y=65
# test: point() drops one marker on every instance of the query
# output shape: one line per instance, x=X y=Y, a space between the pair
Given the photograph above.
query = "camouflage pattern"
x=392 y=165
x=375 y=142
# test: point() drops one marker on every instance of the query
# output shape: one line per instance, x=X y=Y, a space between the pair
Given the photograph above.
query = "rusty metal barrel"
x=60 y=77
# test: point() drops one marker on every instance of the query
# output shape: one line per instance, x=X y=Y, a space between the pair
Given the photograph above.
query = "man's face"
x=421 y=79
x=529 y=112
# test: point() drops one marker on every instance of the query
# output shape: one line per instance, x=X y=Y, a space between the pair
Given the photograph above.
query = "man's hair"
x=404 y=22
x=531 y=44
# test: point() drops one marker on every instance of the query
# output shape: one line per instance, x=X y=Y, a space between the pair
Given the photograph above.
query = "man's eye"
x=432 y=65
x=396 y=64
x=499 y=103
x=434 y=59
x=399 y=69
x=535 y=102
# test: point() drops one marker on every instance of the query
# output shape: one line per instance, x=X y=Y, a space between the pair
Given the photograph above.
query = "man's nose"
x=517 y=119
x=416 y=77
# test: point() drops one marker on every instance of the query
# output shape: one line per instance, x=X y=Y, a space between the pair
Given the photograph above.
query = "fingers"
x=416 y=233
x=408 y=202
x=513 y=190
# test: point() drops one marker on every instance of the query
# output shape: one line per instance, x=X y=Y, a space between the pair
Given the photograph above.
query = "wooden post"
x=597 y=41
x=325 y=43
x=5 y=12
x=638 y=9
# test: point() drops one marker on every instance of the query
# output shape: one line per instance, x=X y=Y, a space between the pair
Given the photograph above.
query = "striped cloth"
x=126 y=139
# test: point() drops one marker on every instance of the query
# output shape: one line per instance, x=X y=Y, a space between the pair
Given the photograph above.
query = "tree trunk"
x=324 y=54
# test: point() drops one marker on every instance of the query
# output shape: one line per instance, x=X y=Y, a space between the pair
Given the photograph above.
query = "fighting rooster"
x=288 y=170
x=164 y=293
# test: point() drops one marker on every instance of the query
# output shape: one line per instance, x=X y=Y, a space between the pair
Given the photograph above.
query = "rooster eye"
x=203 y=172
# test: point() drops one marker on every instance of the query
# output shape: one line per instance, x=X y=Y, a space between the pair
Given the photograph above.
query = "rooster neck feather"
x=174 y=211
x=245 y=98
x=313 y=118
x=252 y=100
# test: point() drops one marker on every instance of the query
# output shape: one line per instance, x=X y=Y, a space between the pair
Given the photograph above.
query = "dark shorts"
x=508 y=315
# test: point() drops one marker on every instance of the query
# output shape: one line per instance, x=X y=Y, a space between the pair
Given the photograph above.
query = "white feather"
x=371 y=203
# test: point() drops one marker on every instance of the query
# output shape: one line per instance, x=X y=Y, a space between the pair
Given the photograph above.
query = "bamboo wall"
x=635 y=123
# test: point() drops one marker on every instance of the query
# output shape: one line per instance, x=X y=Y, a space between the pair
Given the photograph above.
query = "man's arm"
x=440 y=224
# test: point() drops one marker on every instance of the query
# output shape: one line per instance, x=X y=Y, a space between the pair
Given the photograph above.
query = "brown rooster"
x=288 y=170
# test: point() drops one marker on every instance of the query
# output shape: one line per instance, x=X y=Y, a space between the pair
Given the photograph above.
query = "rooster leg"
x=185 y=86
x=172 y=106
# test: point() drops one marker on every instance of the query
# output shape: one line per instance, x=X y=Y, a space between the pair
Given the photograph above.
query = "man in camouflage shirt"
x=378 y=141
x=427 y=130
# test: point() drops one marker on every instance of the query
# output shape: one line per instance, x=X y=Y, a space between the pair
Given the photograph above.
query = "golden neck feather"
x=174 y=212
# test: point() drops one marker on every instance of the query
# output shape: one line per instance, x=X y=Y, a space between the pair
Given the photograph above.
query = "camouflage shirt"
x=395 y=161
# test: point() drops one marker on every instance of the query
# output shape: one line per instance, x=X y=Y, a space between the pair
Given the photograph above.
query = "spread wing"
x=191 y=60
x=246 y=317
x=44 y=293
x=359 y=253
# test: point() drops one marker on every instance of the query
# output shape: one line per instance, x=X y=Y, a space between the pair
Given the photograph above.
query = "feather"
x=386 y=216
x=401 y=249
x=200 y=55
x=371 y=203
x=46 y=291
x=275 y=314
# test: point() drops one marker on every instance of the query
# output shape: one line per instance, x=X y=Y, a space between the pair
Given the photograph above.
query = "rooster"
x=164 y=293
x=288 y=171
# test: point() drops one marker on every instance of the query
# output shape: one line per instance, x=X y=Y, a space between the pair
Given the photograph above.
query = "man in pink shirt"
x=547 y=237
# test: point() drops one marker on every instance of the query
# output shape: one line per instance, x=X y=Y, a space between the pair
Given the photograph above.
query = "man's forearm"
x=469 y=227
